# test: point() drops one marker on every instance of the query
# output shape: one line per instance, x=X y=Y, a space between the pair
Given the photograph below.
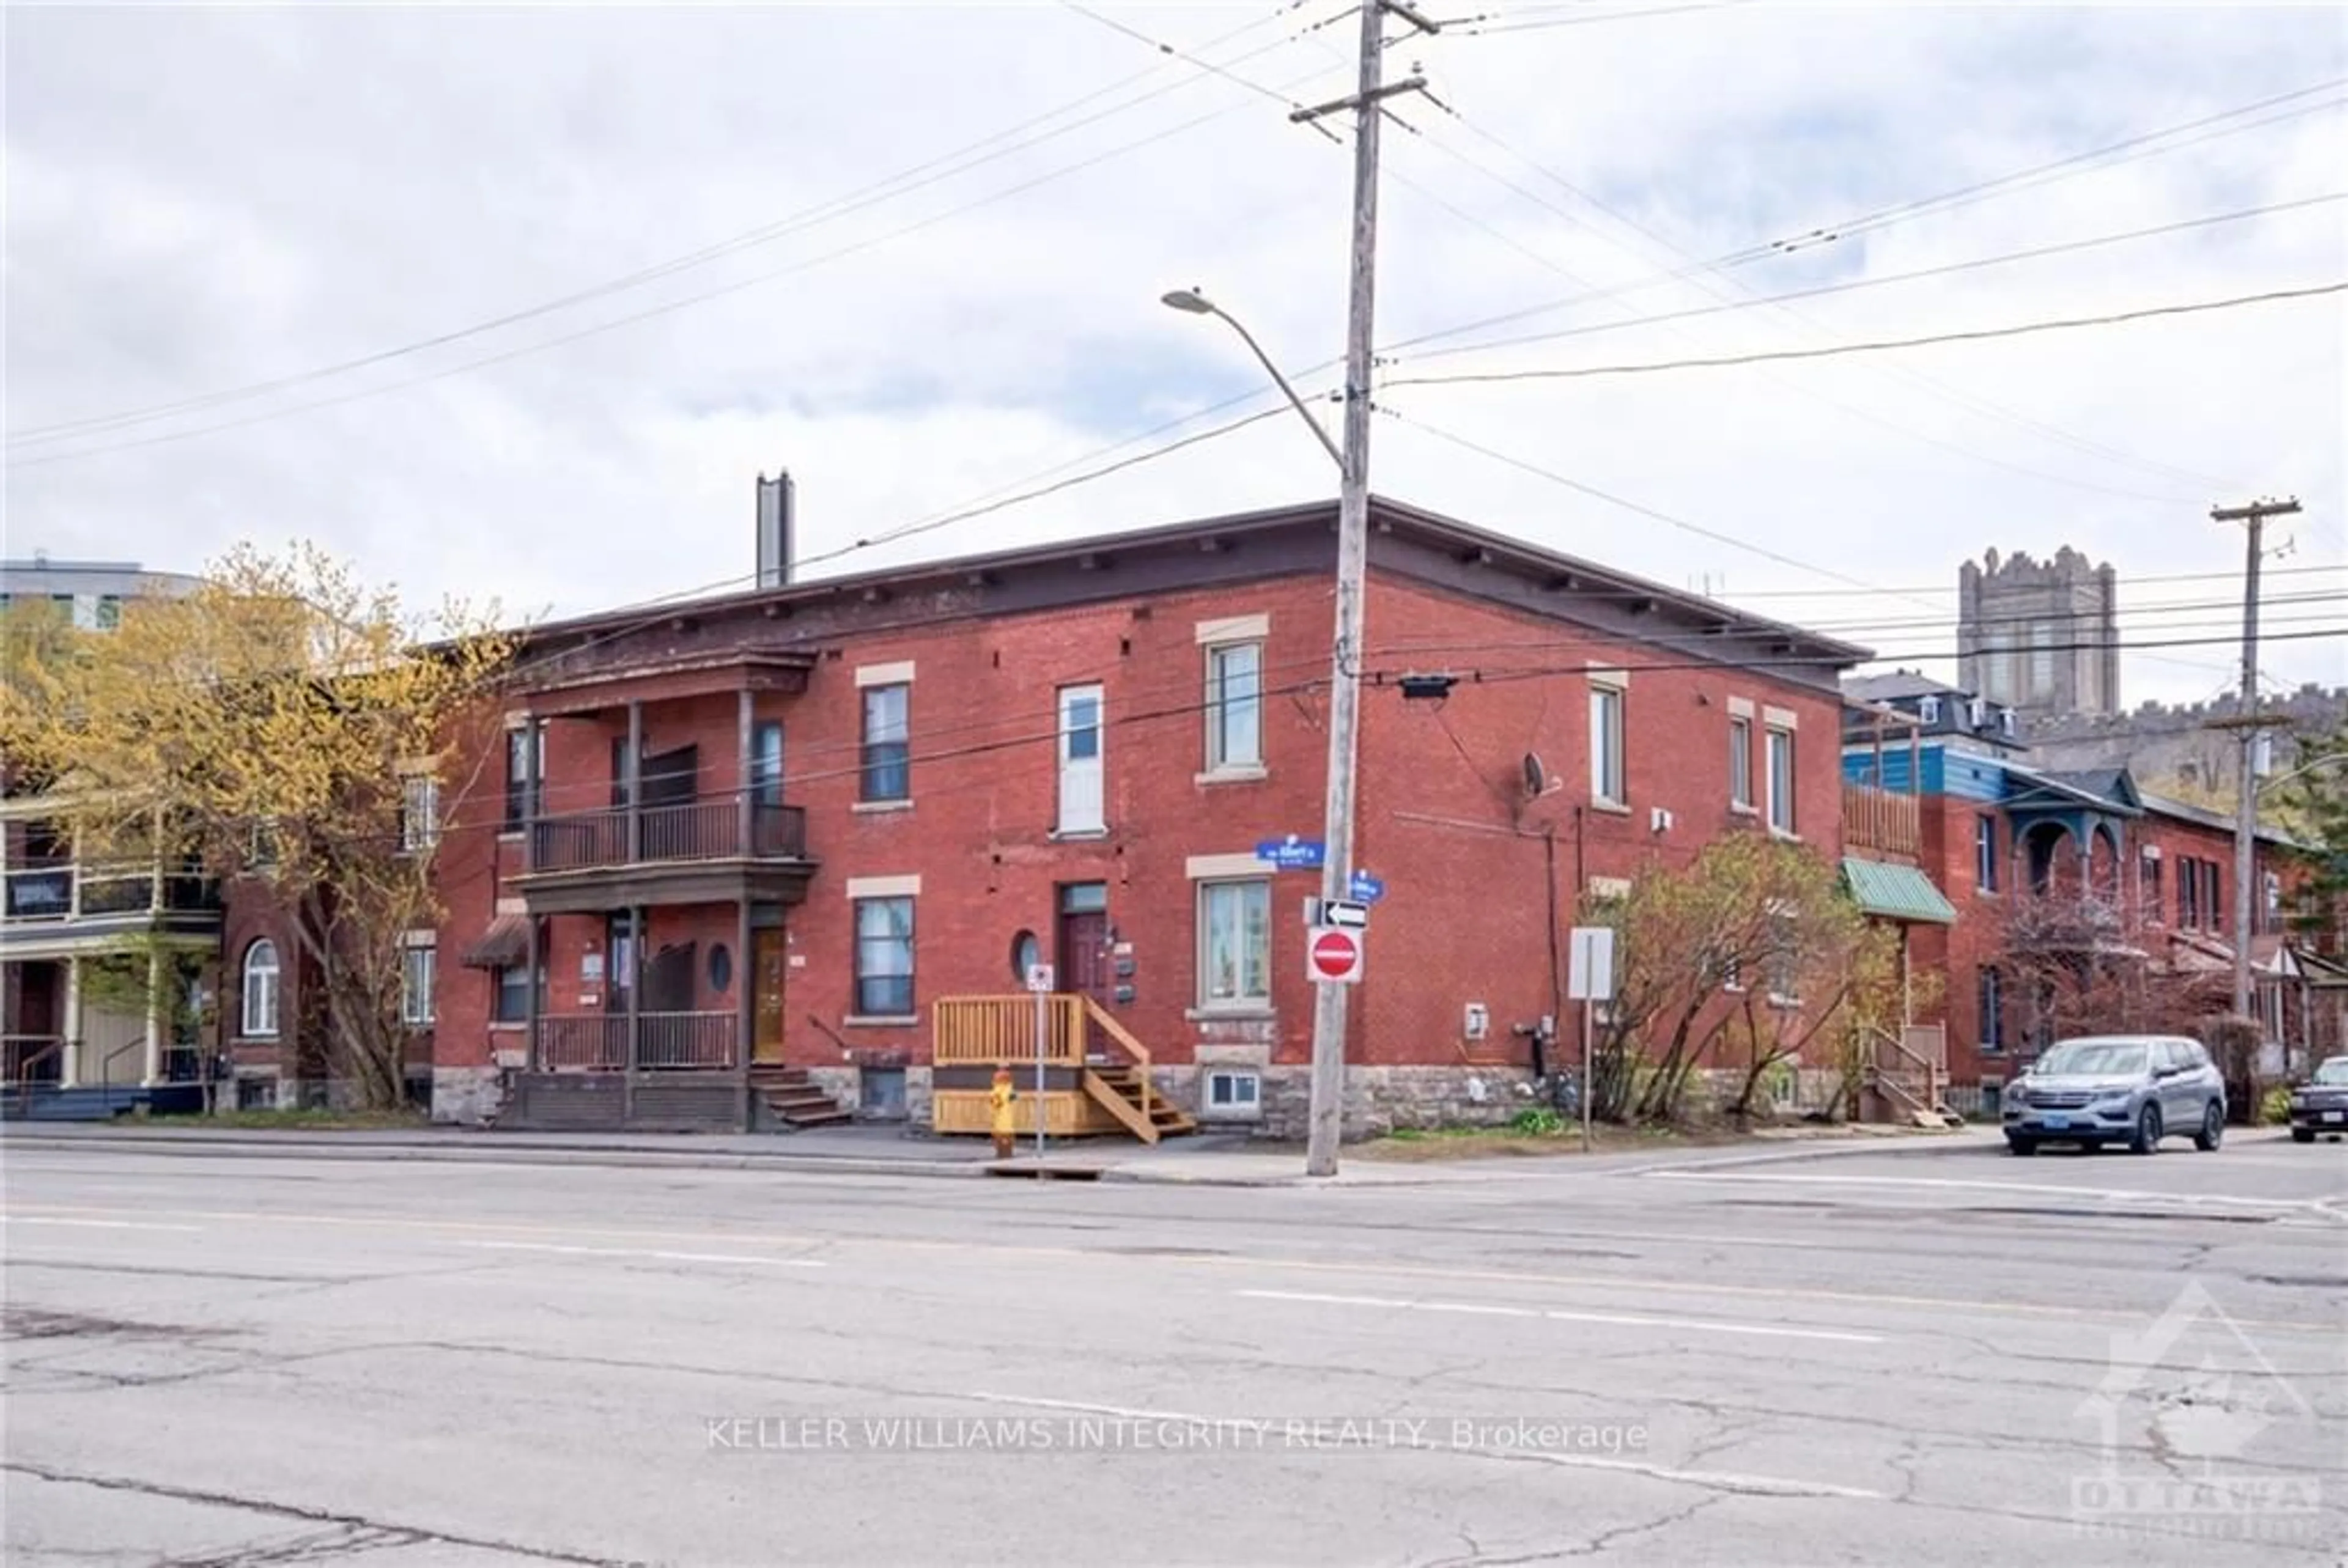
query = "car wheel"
x=2213 y=1129
x=2030 y=1145
x=2148 y=1131
x=2302 y=1135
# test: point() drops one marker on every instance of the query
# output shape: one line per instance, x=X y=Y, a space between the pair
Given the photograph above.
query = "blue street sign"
x=1366 y=888
x=1293 y=853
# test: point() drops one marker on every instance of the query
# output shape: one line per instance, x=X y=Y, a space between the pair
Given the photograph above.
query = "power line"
x=903 y=183
x=1610 y=499
x=1879 y=345
x=1963 y=397
x=2038 y=252
x=664 y=308
x=1473 y=31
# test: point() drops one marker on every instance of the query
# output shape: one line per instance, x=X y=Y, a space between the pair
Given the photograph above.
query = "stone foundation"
x=465 y=1095
x=1381 y=1099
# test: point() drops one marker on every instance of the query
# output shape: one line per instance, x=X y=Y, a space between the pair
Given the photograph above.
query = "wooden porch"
x=1096 y=1075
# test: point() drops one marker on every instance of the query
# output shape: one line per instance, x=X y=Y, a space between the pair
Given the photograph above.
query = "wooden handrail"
x=1124 y=1040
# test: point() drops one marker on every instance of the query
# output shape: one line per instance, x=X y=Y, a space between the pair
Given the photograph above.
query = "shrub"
x=1536 y=1121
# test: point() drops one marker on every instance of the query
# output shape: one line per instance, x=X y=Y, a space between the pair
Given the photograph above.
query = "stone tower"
x=2043 y=638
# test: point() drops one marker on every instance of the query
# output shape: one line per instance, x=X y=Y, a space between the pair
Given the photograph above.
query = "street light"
x=1193 y=303
x=1325 y=1119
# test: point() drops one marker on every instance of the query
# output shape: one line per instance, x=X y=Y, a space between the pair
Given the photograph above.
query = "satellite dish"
x=1535 y=776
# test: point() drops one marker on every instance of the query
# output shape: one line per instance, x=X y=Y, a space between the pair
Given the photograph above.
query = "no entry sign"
x=1333 y=954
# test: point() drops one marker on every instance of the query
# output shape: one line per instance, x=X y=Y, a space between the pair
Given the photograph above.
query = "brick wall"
x=1472 y=865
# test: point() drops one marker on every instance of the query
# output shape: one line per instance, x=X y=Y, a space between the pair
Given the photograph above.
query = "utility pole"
x=2246 y=793
x=1324 y=1121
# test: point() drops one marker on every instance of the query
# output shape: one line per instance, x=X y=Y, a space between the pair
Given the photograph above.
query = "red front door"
x=1086 y=967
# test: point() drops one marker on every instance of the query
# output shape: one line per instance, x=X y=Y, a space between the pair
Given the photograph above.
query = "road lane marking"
x=643 y=1252
x=1560 y=1315
x=1714 y=1479
x=98 y=1225
x=1642 y=1283
x=1950 y=1182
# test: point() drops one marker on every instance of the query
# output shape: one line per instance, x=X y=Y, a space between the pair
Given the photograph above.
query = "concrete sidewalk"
x=1209 y=1160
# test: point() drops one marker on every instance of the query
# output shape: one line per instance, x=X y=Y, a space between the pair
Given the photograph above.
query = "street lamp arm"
x=2300 y=770
x=1197 y=303
x=1295 y=402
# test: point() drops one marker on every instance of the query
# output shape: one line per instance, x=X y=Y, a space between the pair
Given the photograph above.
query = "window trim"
x=414 y=785
x=419 y=949
x=872 y=762
x=1985 y=852
x=525 y=792
x=1609 y=745
x=1218 y=702
x=270 y=991
x=1785 y=823
x=1065 y=701
x=1241 y=1001
x=859 y=977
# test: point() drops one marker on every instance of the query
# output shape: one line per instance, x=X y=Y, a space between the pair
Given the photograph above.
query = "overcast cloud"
x=204 y=199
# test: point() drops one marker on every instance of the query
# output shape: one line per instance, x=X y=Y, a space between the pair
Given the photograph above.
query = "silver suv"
x=2132 y=1089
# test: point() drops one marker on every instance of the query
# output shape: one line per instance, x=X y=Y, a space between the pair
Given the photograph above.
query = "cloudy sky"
x=519 y=300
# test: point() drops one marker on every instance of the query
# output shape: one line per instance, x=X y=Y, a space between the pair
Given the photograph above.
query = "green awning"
x=1897 y=893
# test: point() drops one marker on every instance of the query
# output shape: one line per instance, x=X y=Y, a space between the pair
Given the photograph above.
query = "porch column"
x=636 y=781
x=531 y=956
x=744 y=972
x=635 y=980
x=151 y=1067
x=69 y=1058
x=746 y=711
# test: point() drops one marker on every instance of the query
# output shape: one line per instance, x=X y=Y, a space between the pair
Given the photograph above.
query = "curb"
x=814 y=1164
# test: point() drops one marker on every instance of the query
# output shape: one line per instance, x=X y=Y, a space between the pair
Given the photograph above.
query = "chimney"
x=775 y=509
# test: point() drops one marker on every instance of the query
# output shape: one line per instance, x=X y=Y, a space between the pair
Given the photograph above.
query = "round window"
x=1025 y=954
x=721 y=967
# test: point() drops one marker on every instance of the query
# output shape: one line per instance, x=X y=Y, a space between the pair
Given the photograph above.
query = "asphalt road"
x=1943 y=1356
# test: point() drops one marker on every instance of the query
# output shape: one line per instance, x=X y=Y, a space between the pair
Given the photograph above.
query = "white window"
x=1781 y=780
x=1927 y=710
x=1740 y=762
x=1606 y=782
x=1235 y=944
x=1234 y=707
x=260 y=1018
x=417 y=962
x=1233 y=1094
x=1081 y=785
x=1783 y=961
x=419 y=813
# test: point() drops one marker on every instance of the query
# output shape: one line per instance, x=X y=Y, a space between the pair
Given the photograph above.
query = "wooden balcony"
x=1881 y=822
x=53 y=910
x=715 y=850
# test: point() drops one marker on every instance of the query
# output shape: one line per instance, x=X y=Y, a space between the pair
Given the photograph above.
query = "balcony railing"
x=696 y=830
x=57 y=893
x=598 y=1043
x=1881 y=820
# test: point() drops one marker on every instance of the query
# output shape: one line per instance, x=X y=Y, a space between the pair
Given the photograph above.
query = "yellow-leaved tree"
x=276 y=728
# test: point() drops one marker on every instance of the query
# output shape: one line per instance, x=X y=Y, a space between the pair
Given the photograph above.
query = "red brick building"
x=2013 y=848
x=779 y=828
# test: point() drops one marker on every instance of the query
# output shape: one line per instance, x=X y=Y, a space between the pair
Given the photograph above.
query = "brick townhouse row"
x=1993 y=832
x=780 y=829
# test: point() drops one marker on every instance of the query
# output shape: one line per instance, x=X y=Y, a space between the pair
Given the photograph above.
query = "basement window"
x=1233 y=1094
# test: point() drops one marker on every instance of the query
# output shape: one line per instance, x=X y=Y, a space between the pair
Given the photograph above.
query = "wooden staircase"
x=1124 y=1088
x=1906 y=1076
x=1126 y=1093
x=795 y=1098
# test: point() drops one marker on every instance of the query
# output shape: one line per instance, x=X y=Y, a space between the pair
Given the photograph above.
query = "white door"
x=1080 y=760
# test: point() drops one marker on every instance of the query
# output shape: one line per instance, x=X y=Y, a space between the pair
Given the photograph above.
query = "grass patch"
x=405 y=1120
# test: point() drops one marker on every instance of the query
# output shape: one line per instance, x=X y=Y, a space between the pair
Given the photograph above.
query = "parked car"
x=2320 y=1104
x=2117 y=1089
